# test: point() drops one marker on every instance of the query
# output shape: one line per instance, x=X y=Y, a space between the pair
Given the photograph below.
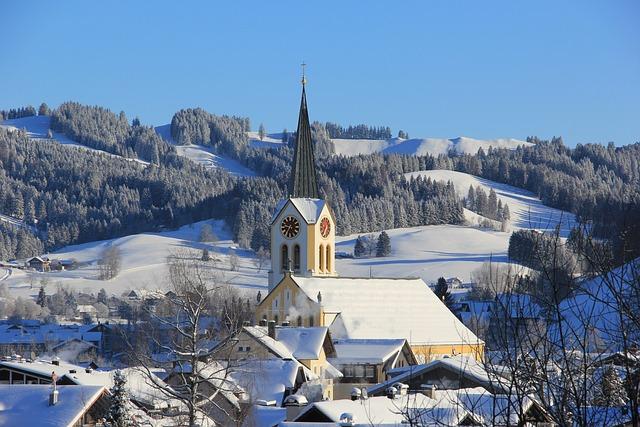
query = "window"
x=310 y=320
x=328 y=258
x=285 y=257
x=348 y=371
x=370 y=372
x=359 y=371
x=275 y=318
x=321 y=258
x=296 y=258
x=299 y=320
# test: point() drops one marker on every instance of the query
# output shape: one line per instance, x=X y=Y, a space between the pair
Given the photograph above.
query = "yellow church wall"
x=298 y=304
x=426 y=353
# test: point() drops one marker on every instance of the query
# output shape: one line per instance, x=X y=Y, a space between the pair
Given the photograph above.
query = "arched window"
x=310 y=321
x=328 y=259
x=321 y=258
x=285 y=257
x=299 y=320
x=296 y=258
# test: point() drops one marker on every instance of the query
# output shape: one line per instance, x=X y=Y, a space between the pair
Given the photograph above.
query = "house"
x=454 y=282
x=30 y=405
x=448 y=373
x=310 y=346
x=32 y=338
x=383 y=411
x=364 y=362
x=39 y=263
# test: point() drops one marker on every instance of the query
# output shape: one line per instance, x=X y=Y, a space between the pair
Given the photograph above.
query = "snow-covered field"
x=430 y=252
x=144 y=263
x=421 y=146
x=204 y=155
x=37 y=128
x=527 y=211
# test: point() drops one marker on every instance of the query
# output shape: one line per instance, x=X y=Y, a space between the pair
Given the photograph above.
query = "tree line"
x=357 y=131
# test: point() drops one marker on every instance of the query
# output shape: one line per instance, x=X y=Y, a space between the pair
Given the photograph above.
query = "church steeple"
x=303 y=174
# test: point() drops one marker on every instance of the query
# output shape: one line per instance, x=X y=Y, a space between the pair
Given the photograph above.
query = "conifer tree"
x=442 y=292
x=384 y=245
x=42 y=297
x=261 y=132
x=359 y=249
x=118 y=411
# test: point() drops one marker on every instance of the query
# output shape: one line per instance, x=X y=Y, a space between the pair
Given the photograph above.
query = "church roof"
x=386 y=308
x=310 y=209
x=303 y=175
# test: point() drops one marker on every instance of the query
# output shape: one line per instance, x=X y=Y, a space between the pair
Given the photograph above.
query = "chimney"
x=286 y=323
x=53 y=397
x=272 y=329
x=246 y=323
x=263 y=322
x=429 y=390
x=55 y=362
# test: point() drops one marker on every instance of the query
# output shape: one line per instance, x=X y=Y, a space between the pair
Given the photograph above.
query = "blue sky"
x=433 y=68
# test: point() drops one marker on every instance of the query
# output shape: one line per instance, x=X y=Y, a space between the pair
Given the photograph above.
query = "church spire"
x=303 y=175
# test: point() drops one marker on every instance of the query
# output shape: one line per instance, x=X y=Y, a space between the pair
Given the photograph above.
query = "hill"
x=205 y=155
x=144 y=263
x=421 y=146
x=37 y=128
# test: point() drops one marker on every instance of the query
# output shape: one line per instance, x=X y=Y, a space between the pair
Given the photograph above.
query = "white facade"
x=308 y=253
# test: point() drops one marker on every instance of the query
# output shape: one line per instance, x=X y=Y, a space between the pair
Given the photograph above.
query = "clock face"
x=325 y=227
x=290 y=227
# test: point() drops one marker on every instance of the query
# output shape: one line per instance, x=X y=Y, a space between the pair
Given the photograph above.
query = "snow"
x=310 y=209
x=144 y=263
x=267 y=379
x=386 y=308
x=421 y=146
x=382 y=411
x=434 y=251
x=272 y=140
x=19 y=403
x=205 y=155
x=353 y=351
x=304 y=343
x=527 y=211
x=37 y=128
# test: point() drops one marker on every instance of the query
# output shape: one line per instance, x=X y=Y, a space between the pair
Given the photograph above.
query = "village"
x=317 y=349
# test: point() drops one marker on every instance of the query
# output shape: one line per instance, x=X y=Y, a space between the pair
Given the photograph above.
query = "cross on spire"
x=304 y=79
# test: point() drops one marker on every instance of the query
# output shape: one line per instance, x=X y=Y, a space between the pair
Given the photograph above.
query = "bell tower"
x=303 y=226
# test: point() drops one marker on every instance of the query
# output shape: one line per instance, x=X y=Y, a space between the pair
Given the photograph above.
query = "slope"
x=144 y=263
x=37 y=128
x=205 y=155
x=421 y=146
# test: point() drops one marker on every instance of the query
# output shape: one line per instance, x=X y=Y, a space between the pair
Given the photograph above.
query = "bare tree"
x=110 y=262
x=193 y=318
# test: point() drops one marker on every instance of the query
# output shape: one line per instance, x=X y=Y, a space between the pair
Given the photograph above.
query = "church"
x=306 y=290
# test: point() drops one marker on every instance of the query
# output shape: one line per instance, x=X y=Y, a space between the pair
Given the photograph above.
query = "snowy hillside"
x=420 y=146
x=37 y=128
x=527 y=211
x=144 y=263
x=433 y=251
x=204 y=155
x=428 y=252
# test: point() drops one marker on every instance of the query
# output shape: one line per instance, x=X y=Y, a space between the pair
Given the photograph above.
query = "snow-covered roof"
x=310 y=209
x=39 y=333
x=386 y=308
x=267 y=379
x=303 y=343
x=260 y=333
x=382 y=411
x=353 y=351
x=29 y=404
x=464 y=366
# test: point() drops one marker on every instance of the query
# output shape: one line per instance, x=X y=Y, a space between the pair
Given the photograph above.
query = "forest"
x=74 y=196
